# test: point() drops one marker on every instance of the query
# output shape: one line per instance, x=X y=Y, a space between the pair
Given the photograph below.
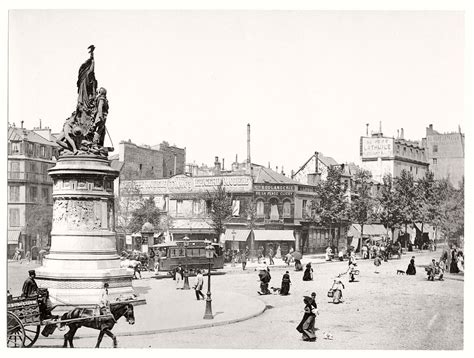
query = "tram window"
x=194 y=252
x=178 y=252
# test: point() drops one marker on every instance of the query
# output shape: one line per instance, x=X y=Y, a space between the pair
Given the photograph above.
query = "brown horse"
x=103 y=323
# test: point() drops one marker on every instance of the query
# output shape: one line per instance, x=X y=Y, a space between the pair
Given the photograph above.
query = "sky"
x=306 y=81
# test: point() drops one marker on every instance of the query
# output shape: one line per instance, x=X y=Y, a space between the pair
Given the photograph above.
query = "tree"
x=39 y=223
x=330 y=208
x=390 y=212
x=220 y=208
x=362 y=206
x=425 y=200
x=405 y=192
x=129 y=200
x=146 y=212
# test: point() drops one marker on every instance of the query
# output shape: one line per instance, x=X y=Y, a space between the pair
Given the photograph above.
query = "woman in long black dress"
x=308 y=273
x=453 y=268
x=285 y=284
x=411 y=270
x=306 y=326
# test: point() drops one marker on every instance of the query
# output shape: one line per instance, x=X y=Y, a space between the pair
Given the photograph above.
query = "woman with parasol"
x=297 y=256
x=306 y=326
x=308 y=273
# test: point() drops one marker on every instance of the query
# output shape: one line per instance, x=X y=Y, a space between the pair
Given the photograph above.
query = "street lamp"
x=209 y=255
x=186 y=274
x=233 y=245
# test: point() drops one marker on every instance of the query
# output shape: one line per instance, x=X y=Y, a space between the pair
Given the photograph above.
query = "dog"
x=400 y=272
x=275 y=290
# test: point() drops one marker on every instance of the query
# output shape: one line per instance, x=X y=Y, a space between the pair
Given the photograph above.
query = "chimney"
x=222 y=163
x=401 y=134
x=22 y=124
x=175 y=164
x=217 y=165
x=380 y=128
x=282 y=171
x=268 y=165
x=248 y=145
x=367 y=129
x=316 y=162
x=292 y=173
x=398 y=133
x=276 y=169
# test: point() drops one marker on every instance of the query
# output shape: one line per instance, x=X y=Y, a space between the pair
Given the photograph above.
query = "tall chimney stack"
x=22 y=124
x=367 y=129
x=248 y=145
x=316 y=162
x=402 y=135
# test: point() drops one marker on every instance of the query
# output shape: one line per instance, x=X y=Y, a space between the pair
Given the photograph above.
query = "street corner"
x=170 y=310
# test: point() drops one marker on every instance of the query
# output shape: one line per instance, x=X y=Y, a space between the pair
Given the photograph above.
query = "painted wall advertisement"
x=376 y=147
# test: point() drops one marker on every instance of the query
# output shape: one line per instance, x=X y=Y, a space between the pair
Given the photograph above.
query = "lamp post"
x=186 y=274
x=209 y=255
x=233 y=245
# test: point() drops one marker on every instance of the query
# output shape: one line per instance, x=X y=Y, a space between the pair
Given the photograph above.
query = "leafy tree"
x=130 y=199
x=220 y=208
x=389 y=209
x=146 y=212
x=39 y=223
x=362 y=205
x=425 y=199
x=405 y=192
x=330 y=208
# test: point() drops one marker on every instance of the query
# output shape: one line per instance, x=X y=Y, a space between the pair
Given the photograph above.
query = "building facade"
x=30 y=155
x=386 y=155
x=445 y=154
x=150 y=162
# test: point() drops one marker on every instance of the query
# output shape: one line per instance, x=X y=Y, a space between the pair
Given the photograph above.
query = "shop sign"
x=376 y=147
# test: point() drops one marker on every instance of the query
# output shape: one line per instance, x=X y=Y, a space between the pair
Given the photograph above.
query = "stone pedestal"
x=83 y=252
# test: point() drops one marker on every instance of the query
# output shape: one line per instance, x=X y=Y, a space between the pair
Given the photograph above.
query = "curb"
x=176 y=329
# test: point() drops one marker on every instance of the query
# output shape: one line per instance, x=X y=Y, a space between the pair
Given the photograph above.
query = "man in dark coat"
x=411 y=270
x=30 y=287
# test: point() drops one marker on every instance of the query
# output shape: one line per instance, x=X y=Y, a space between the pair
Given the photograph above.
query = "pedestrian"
x=104 y=304
x=442 y=269
x=265 y=277
x=453 y=268
x=411 y=270
x=28 y=257
x=244 y=260
x=341 y=255
x=30 y=288
x=199 y=284
x=461 y=261
x=136 y=269
x=328 y=253
x=285 y=284
x=298 y=265
x=306 y=326
x=313 y=303
x=288 y=259
x=377 y=263
x=179 y=277
x=308 y=273
x=270 y=256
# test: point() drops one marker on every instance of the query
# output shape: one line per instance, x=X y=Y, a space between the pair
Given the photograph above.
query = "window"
x=15 y=148
x=260 y=208
x=304 y=209
x=42 y=151
x=179 y=207
x=435 y=161
x=435 y=148
x=33 y=193
x=45 y=194
x=235 y=207
x=287 y=209
x=14 y=217
x=15 y=166
x=274 y=214
x=14 y=193
x=140 y=167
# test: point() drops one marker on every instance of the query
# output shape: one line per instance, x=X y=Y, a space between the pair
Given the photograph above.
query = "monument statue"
x=83 y=253
x=84 y=131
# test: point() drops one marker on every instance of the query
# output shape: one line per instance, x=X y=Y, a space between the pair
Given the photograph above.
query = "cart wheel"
x=31 y=335
x=15 y=331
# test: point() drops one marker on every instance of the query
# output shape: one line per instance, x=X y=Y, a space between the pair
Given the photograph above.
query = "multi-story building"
x=150 y=162
x=387 y=155
x=30 y=155
x=445 y=154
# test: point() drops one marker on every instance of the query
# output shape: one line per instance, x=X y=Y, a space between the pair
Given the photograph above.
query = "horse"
x=103 y=323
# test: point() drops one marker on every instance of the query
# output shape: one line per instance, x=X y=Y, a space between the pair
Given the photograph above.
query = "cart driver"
x=104 y=300
x=30 y=288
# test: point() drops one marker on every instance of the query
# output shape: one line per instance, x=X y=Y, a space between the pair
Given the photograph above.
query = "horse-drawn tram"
x=26 y=316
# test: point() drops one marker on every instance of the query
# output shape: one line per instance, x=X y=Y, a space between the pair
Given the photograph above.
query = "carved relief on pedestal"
x=84 y=215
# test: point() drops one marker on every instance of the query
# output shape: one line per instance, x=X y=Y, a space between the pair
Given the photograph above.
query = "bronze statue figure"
x=84 y=131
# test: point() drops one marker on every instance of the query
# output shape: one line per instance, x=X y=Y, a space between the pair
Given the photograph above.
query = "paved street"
x=401 y=312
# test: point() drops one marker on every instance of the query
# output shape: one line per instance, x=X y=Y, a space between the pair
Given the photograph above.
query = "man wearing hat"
x=104 y=300
x=30 y=287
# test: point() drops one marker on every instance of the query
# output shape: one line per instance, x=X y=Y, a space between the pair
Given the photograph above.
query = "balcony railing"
x=32 y=177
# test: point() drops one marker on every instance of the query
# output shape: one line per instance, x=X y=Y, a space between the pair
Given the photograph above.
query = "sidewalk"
x=168 y=309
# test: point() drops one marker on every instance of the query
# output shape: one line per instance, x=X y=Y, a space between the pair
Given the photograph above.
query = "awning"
x=370 y=230
x=236 y=235
x=274 y=235
x=13 y=236
x=188 y=227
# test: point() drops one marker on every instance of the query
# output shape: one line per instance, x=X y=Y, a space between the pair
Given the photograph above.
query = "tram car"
x=190 y=253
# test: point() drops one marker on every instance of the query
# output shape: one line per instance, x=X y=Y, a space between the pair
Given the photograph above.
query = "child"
x=377 y=263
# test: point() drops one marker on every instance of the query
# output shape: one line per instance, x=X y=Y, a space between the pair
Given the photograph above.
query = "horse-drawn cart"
x=25 y=316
